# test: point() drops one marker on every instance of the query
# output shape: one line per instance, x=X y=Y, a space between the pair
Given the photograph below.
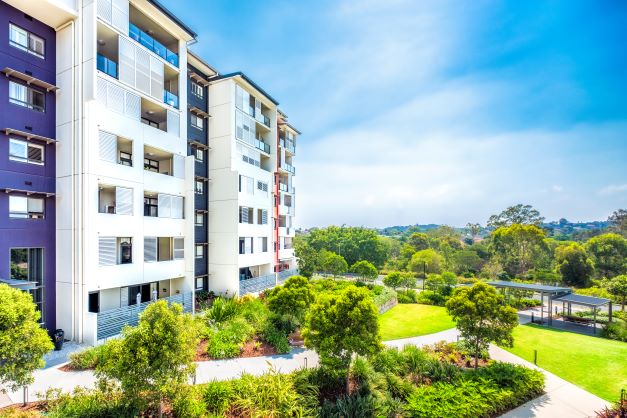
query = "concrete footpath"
x=562 y=399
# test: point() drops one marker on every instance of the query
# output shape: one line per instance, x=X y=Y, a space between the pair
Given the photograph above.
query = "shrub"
x=273 y=336
x=189 y=404
x=353 y=406
x=385 y=295
x=89 y=358
x=217 y=396
x=14 y=412
x=524 y=382
x=222 y=309
x=107 y=400
x=615 y=331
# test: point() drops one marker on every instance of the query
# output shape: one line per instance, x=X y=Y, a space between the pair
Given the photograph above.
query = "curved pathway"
x=562 y=399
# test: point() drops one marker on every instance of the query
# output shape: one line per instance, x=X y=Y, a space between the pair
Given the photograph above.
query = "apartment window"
x=151 y=206
x=200 y=219
x=262 y=186
x=93 y=302
x=26 y=152
x=23 y=207
x=245 y=215
x=246 y=245
x=262 y=216
x=200 y=251
x=126 y=158
x=178 y=246
x=263 y=241
x=26 y=41
x=246 y=184
x=28 y=97
x=28 y=264
x=200 y=283
x=199 y=155
x=197 y=90
x=125 y=250
x=200 y=187
x=197 y=122
x=151 y=165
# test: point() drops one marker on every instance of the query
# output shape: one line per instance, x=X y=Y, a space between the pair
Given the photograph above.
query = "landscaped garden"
x=596 y=364
x=411 y=320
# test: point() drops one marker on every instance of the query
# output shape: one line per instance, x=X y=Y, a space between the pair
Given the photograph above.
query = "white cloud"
x=613 y=189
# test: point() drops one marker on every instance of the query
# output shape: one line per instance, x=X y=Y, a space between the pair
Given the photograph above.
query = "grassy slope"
x=595 y=364
x=411 y=320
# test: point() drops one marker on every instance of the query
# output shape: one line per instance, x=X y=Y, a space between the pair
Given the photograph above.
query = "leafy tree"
x=443 y=231
x=617 y=286
x=419 y=241
x=308 y=258
x=292 y=300
x=574 y=265
x=22 y=341
x=518 y=214
x=427 y=259
x=365 y=270
x=492 y=270
x=482 y=317
x=473 y=229
x=398 y=279
x=340 y=325
x=407 y=251
x=518 y=247
x=155 y=358
x=333 y=263
x=467 y=261
x=609 y=252
x=352 y=243
x=618 y=220
x=449 y=278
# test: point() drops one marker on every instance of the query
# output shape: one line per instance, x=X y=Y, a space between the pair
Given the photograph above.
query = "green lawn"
x=596 y=364
x=411 y=320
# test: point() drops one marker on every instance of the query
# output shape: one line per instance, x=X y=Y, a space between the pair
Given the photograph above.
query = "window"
x=199 y=155
x=28 y=264
x=23 y=207
x=245 y=215
x=262 y=186
x=200 y=283
x=151 y=206
x=178 y=245
x=24 y=96
x=25 y=152
x=200 y=219
x=246 y=245
x=197 y=90
x=246 y=184
x=125 y=246
x=151 y=165
x=26 y=41
x=200 y=251
x=197 y=122
x=200 y=187
x=262 y=216
x=263 y=241
x=93 y=304
x=126 y=158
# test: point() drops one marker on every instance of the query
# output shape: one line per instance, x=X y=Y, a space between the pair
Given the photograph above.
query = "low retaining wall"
x=388 y=305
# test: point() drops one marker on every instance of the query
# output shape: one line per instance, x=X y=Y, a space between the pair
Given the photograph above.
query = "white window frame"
x=197 y=122
x=197 y=90
x=30 y=38
x=201 y=253
x=199 y=187
x=201 y=217
x=20 y=207
x=27 y=146
x=199 y=155
x=28 y=100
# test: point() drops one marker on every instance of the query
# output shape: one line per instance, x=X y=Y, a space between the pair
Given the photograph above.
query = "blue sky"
x=441 y=111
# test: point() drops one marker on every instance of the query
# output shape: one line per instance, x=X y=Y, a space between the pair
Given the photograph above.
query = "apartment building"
x=132 y=170
x=27 y=157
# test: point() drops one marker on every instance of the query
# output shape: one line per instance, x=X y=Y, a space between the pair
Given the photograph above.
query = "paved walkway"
x=562 y=399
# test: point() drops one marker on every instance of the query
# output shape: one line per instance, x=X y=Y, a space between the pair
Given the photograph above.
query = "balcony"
x=170 y=99
x=107 y=66
x=152 y=44
x=256 y=284
x=158 y=161
x=285 y=188
x=288 y=167
x=288 y=145
x=260 y=145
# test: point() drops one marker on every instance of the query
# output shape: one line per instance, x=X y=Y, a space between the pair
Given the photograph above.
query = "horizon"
x=445 y=113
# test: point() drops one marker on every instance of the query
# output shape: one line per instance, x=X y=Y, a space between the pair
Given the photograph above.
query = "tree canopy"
x=22 y=340
x=352 y=243
x=617 y=286
x=517 y=214
x=609 y=252
x=333 y=263
x=574 y=265
x=292 y=299
x=482 y=317
x=427 y=259
x=365 y=270
x=519 y=247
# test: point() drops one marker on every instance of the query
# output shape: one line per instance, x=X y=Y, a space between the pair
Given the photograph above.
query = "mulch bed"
x=254 y=348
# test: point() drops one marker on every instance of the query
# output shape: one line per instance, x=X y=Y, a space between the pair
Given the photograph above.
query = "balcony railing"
x=282 y=276
x=288 y=167
x=288 y=145
x=256 y=284
x=171 y=99
x=110 y=323
x=152 y=44
x=107 y=66
x=262 y=146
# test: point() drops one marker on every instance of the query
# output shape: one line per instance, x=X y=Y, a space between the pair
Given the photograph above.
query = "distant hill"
x=561 y=230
